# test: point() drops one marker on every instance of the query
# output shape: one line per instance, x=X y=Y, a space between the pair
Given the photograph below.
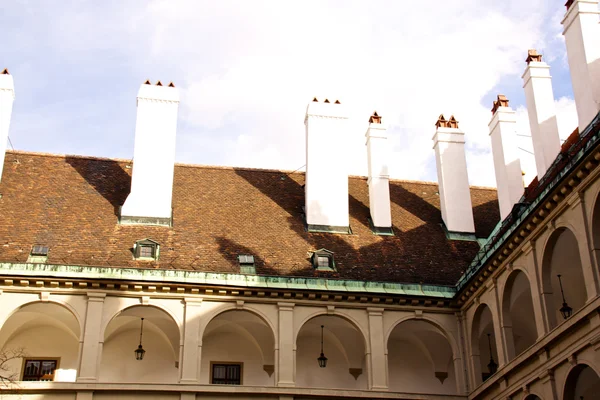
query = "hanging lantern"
x=492 y=366
x=139 y=352
x=565 y=310
x=322 y=359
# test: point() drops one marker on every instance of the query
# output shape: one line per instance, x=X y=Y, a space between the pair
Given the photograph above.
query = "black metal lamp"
x=139 y=352
x=322 y=359
x=492 y=366
x=565 y=310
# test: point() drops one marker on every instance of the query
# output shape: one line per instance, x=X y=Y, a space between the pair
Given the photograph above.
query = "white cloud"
x=248 y=69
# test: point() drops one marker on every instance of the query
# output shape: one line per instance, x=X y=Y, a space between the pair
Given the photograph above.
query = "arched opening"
x=518 y=318
x=344 y=347
x=238 y=348
x=582 y=382
x=532 y=397
x=561 y=257
x=47 y=336
x=420 y=359
x=483 y=339
x=160 y=340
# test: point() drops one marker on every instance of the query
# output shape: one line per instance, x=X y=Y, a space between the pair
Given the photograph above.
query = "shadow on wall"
x=107 y=177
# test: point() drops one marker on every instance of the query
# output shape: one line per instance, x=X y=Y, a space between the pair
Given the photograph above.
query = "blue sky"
x=246 y=71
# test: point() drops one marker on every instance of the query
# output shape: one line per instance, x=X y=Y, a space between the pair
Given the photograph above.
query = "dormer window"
x=323 y=260
x=146 y=249
x=247 y=264
x=38 y=254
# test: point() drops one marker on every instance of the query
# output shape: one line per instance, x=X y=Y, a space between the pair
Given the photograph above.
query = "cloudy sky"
x=247 y=69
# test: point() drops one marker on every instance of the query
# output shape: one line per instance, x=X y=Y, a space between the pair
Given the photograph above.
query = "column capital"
x=282 y=306
x=375 y=311
x=192 y=301
x=94 y=296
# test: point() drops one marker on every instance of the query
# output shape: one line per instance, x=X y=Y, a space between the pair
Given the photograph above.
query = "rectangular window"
x=39 y=370
x=146 y=251
x=226 y=374
x=323 y=262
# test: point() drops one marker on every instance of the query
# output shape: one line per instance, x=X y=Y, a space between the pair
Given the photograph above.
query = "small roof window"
x=247 y=264
x=38 y=254
x=146 y=249
x=322 y=260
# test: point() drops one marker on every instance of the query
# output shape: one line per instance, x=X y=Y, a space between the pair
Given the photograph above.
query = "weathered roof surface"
x=71 y=203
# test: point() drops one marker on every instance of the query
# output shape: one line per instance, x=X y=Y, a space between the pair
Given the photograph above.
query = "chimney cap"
x=147 y=82
x=502 y=101
x=452 y=122
x=158 y=83
x=171 y=84
x=569 y=3
x=326 y=101
x=375 y=118
x=441 y=122
x=5 y=71
x=533 y=55
x=315 y=100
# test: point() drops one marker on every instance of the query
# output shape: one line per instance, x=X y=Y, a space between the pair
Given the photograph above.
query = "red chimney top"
x=533 y=55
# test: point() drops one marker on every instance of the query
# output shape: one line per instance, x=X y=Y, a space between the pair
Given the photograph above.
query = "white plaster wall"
x=45 y=341
x=154 y=153
x=336 y=374
x=411 y=370
x=581 y=31
x=236 y=347
x=542 y=115
x=507 y=165
x=326 y=190
x=7 y=96
x=118 y=362
x=379 y=186
x=455 y=195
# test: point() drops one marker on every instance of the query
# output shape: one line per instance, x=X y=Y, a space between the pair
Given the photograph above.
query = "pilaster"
x=287 y=347
x=192 y=348
x=378 y=368
x=92 y=342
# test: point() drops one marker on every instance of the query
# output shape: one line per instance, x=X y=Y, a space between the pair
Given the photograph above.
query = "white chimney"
x=455 y=195
x=582 y=37
x=326 y=189
x=7 y=97
x=541 y=109
x=379 y=178
x=507 y=165
x=149 y=201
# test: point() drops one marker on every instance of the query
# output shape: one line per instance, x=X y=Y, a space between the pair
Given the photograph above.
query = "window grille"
x=227 y=374
x=39 y=370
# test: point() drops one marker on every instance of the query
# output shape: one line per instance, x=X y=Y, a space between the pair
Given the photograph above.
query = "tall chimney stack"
x=7 y=97
x=379 y=177
x=582 y=38
x=507 y=165
x=455 y=195
x=326 y=189
x=541 y=109
x=149 y=201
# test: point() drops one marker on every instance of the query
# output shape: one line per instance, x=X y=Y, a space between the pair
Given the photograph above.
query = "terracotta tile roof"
x=71 y=204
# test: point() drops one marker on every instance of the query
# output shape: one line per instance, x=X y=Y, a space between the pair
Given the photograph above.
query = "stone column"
x=191 y=349
x=378 y=368
x=287 y=354
x=91 y=346
x=532 y=267
x=585 y=241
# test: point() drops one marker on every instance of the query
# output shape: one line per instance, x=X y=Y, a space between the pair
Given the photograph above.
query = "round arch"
x=160 y=335
x=481 y=325
x=239 y=336
x=518 y=317
x=420 y=358
x=561 y=256
x=119 y=312
x=43 y=329
x=208 y=318
x=63 y=304
x=344 y=345
x=432 y=322
x=583 y=380
x=348 y=319
x=532 y=396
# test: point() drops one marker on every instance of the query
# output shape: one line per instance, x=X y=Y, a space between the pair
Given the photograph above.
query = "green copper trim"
x=238 y=280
